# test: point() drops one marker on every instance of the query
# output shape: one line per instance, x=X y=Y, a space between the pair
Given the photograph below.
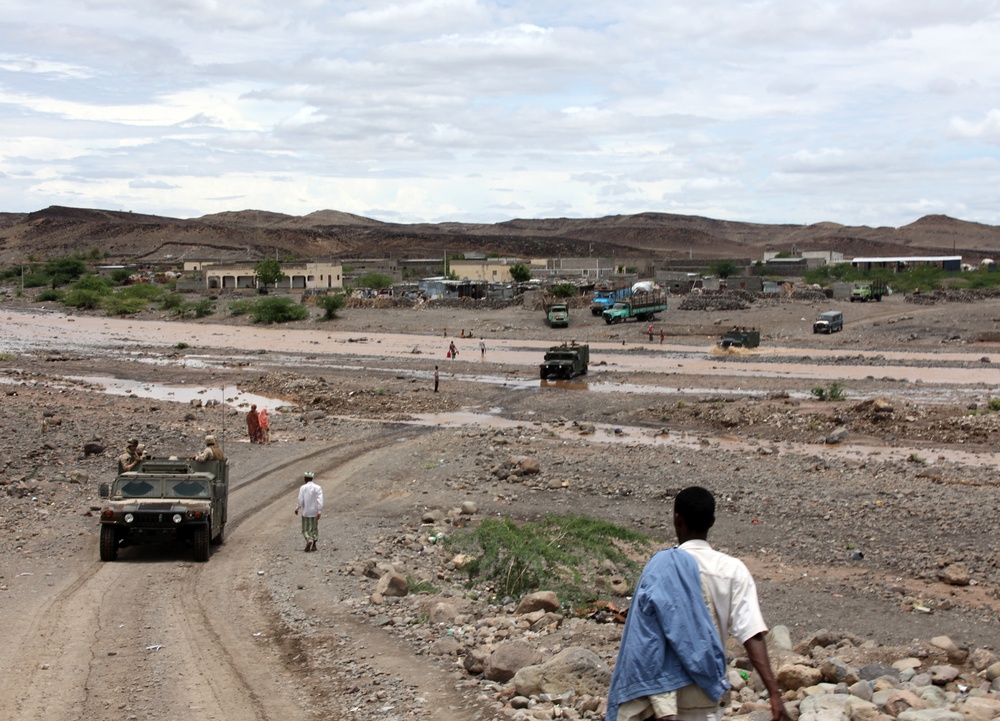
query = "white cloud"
x=433 y=109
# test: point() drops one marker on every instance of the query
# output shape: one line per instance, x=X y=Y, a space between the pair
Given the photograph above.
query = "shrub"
x=241 y=307
x=202 y=308
x=92 y=282
x=330 y=305
x=49 y=294
x=173 y=301
x=83 y=299
x=120 y=276
x=278 y=310
x=64 y=270
x=35 y=280
x=994 y=404
x=147 y=292
x=834 y=391
x=565 y=553
x=563 y=290
x=119 y=304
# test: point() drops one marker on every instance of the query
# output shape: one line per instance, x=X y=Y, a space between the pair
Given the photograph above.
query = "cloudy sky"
x=871 y=112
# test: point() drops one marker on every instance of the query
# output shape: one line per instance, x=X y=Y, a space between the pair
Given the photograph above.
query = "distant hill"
x=251 y=234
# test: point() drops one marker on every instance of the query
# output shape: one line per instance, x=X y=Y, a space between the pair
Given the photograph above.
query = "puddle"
x=634 y=435
x=230 y=395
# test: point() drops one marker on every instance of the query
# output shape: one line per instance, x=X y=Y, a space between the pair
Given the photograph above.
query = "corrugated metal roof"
x=909 y=259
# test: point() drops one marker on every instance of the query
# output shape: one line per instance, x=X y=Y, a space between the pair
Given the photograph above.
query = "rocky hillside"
x=129 y=237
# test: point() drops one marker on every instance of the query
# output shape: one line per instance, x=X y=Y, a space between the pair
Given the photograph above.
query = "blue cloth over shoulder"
x=670 y=640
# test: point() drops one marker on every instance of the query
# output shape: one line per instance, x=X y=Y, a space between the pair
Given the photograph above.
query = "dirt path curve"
x=156 y=636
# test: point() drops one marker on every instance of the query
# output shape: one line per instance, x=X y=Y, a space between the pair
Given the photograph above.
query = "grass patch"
x=561 y=553
x=421 y=586
x=834 y=391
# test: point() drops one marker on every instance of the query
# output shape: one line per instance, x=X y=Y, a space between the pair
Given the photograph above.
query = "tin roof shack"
x=898 y=264
x=443 y=288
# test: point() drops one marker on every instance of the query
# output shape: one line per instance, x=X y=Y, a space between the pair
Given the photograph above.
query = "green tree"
x=331 y=304
x=520 y=272
x=724 y=268
x=374 y=280
x=64 y=270
x=268 y=272
x=563 y=290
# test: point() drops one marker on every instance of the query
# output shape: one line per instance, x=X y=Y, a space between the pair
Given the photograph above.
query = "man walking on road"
x=437 y=378
x=685 y=678
x=311 y=505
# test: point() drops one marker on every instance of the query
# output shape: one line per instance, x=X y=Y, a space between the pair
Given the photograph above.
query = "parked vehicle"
x=166 y=500
x=565 y=361
x=869 y=290
x=605 y=298
x=641 y=307
x=740 y=338
x=829 y=322
x=557 y=315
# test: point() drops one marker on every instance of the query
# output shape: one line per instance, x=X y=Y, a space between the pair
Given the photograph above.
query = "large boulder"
x=575 y=668
x=508 y=658
x=392 y=584
x=792 y=677
x=538 y=601
x=836 y=707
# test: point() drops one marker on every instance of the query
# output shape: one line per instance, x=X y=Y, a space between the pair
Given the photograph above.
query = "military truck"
x=641 y=307
x=869 y=290
x=557 y=315
x=166 y=500
x=565 y=361
x=740 y=338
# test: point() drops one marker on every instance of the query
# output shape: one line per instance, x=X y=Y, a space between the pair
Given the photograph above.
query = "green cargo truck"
x=869 y=290
x=641 y=307
x=557 y=315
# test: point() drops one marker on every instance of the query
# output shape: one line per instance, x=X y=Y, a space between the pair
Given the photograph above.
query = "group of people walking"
x=258 y=425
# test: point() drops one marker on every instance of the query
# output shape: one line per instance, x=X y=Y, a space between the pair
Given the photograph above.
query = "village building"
x=299 y=275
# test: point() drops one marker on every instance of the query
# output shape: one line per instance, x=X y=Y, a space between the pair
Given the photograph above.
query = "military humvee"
x=166 y=500
x=565 y=361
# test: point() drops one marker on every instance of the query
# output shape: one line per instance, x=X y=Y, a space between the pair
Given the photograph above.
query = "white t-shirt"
x=310 y=499
x=732 y=589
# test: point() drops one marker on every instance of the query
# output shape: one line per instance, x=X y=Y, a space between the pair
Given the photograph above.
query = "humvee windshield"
x=138 y=488
x=186 y=488
x=162 y=488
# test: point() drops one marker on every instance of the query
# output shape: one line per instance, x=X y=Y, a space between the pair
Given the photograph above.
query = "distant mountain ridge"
x=122 y=236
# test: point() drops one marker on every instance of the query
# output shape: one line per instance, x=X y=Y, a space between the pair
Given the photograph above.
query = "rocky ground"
x=873 y=517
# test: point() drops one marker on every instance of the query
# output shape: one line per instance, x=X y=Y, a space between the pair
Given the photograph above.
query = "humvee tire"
x=109 y=543
x=200 y=539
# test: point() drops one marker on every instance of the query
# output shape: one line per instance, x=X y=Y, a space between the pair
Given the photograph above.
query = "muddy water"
x=50 y=332
x=40 y=332
x=631 y=435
